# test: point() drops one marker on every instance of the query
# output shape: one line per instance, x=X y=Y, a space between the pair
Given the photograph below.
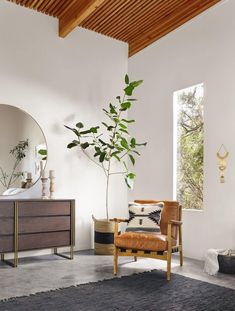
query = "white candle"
x=52 y=174
x=44 y=174
x=29 y=175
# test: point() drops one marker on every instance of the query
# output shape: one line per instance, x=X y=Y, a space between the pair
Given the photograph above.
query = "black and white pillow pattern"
x=144 y=217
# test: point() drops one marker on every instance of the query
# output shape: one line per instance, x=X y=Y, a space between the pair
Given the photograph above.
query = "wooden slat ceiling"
x=137 y=22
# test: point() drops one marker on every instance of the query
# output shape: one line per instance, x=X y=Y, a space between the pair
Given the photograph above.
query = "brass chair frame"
x=162 y=255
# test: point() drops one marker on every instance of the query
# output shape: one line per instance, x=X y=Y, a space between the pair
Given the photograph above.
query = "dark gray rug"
x=145 y=291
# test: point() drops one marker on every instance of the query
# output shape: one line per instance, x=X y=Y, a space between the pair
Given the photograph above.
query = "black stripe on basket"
x=104 y=238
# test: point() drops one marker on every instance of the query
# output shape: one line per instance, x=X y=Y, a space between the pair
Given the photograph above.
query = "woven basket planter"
x=226 y=264
x=104 y=236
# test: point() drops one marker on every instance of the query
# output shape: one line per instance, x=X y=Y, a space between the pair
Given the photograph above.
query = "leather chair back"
x=171 y=211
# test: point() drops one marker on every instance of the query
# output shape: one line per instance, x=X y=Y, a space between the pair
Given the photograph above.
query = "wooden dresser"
x=36 y=224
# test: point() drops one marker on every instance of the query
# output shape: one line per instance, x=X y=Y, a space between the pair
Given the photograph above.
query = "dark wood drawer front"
x=36 y=224
x=44 y=240
x=43 y=224
x=44 y=208
x=6 y=244
x=6 y=209
x=6 y=226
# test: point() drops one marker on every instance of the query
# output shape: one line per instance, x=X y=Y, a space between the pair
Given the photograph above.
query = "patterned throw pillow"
x=144 y=217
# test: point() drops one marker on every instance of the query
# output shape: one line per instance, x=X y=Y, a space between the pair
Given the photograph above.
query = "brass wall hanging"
x=222 y=155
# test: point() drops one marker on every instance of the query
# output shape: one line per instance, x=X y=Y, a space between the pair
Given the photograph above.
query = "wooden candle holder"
x=44 y=188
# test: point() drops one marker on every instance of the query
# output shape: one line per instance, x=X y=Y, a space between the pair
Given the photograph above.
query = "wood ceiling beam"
x=77 y=13
x=173 y=21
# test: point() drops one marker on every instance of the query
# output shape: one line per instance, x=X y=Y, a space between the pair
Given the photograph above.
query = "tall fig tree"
x=111 y=142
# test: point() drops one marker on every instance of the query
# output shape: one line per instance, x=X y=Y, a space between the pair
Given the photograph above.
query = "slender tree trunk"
x=107 y=192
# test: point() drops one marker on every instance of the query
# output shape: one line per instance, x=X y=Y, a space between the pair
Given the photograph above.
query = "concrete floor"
x=43 y=273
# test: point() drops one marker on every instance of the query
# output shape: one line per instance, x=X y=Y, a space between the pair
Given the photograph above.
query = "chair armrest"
x=119 y=220
x=169 y=230
x=175 y=222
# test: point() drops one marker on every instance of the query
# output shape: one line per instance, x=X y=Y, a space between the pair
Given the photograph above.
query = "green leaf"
x=136 y=83
x=131 y=175
x=76 y=142
x=129 y=179
x=110 y=146
x=117 y=157
x=124 y=143
x=71 y=145
x=73 y=130
x=135 y=151
x=133 y=142
x=115 y=154
x=102 y=157
x=124 y=131
x=132 y=99
x=125 y=106
x=132 y=159
x=142 y=144
x=85 y=145
x=129 y=90
x=102 y=142
x=97 y=149
x=94 y=129
x=128 y=121
x=42 y=152
x=109 y=128
x=122 y=126
x=112 y=109
x=85 y=132
x=116 y=120
x=127 y=81
x=79 y=125
x=119 y=148
x=105 y=124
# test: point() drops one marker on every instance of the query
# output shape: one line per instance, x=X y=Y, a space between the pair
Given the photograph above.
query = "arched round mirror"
x=23 y=150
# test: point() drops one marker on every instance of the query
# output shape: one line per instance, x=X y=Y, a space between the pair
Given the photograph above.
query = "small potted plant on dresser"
x=106 y=144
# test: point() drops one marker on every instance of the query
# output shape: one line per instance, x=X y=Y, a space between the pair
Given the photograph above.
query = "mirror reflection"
x=23 y=150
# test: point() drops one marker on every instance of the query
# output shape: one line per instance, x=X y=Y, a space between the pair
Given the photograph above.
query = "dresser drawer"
x=44 y=208
x=44 y=224
x=6 y=226
x=6 y=244
x=44 y=240
x=7 y=209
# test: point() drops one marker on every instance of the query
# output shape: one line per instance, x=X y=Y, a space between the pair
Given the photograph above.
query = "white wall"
x=61 y=81
x=203 y=50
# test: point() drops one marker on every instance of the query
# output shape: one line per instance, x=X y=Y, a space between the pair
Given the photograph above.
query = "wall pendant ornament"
x=222 y=155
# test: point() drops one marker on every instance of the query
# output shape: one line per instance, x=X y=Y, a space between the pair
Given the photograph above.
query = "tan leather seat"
x=143 y=241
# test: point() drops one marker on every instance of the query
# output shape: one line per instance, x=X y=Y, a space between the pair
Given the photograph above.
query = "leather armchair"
x=152 y=245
